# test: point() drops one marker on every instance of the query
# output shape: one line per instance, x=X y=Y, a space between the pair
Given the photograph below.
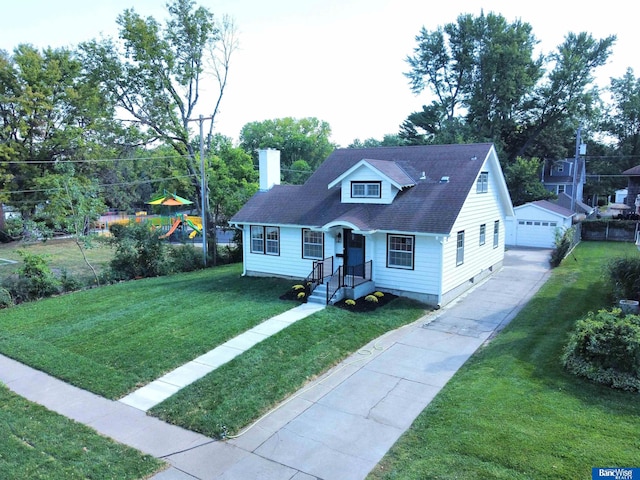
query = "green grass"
x=114 y=339
x=512 y=412
x=61 y=254
x=237 y=393
x=38 y=444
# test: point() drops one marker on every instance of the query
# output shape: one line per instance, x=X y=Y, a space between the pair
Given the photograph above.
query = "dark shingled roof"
x=430 y=206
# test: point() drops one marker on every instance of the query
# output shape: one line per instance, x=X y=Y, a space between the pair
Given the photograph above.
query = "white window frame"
x=401 y=247
x=265 y=240
x=257 y=239
x=482 y=184
x=369 y=190
x=460 y=248
x=310 y=242
x=483 y=234
x=496 y=233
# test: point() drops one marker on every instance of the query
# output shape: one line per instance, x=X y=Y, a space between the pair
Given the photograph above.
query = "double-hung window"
x=496 y=233
x=482 y=185
x=265 y=240
x=365 y=189
x=483 y=233
x=460 y=248
x=312 y=244
x=400 y=251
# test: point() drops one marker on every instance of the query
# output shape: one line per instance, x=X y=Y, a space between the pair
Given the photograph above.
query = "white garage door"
x=536 y=233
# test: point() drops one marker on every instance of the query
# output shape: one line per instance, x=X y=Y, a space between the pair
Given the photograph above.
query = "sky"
x=341 y=61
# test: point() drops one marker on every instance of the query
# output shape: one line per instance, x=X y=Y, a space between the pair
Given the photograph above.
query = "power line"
x=96 y=160
x=104 y=185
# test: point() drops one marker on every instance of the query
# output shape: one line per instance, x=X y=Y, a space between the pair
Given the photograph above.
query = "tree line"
x=116 y=120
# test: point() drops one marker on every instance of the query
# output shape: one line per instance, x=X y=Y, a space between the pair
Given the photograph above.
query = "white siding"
x=478 y=209
x=290 y=262
x=536 y=227
x=424 y=279
x=365 y=174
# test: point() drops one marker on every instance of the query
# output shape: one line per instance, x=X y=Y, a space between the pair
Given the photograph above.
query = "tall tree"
x=155 y=73
x=623 y=119
x=478 y=68
x=297 y=139
x=49 y=112
x=485 y=85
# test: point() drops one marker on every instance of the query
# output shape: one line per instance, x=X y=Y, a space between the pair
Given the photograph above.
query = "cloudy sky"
x=341 y=61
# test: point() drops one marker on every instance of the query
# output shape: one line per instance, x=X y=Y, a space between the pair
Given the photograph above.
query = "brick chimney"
x=269 y=165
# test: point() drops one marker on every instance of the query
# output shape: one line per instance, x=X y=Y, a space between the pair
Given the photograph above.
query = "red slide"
x=175 y=225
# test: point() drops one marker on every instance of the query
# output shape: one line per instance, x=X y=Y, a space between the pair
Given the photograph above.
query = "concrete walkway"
x=159 y=390
x=338 y=427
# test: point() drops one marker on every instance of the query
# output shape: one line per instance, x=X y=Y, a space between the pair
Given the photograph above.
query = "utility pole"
x=204 y=195
x=575 y=168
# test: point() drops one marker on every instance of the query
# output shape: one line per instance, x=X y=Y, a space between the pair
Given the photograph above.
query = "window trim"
x=260 y=231
x=366 y=188
x=482 y=183
x=496 y=233
x=460 y=248
x=267 y=243
x=483 y=234
x=304 y=243
x=412 y=251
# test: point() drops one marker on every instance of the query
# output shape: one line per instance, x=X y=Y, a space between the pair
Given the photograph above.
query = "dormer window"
x=365 y=190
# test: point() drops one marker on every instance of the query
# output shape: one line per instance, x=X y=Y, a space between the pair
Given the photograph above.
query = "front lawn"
x=513 y=412
x=38 y=444
x=230 y=397
x=114 y=339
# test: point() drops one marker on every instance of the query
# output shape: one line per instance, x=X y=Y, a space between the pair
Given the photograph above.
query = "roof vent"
x=444 y=180
x=474 y=158
x=423 y=176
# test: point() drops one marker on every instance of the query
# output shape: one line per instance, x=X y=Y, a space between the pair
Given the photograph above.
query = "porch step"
x=319 y=295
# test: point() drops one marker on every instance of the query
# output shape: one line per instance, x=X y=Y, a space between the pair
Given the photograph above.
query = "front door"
x=354 y=253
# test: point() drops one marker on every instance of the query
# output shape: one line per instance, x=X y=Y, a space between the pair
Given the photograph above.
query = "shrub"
x=624 y=277
x=6 y=300
x=563 y=243
x=36 y=280
x=350 y=302
x=371 y=298
x=140 y=252
x=301 y=295
x=378 y=294
x=605 y=348
x=185 y=258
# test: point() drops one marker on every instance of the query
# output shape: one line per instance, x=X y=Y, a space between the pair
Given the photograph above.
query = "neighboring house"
x=424 y=222
x=564 y=176
x=633 y=189
x=536 y=224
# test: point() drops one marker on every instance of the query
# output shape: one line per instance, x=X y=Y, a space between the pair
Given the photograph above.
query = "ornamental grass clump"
x=350 y=302
x=378 y=294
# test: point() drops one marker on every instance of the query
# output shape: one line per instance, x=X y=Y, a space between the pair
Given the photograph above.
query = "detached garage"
x=535 y=224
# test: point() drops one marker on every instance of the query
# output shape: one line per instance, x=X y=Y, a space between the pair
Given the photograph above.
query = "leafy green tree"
x=485 y=85
x=481 y=68
x=623 y=119
x=523 y=180
x=389 y=140
x=155 y=73
x=72 y=205
x=49 y=112
x=297 y=139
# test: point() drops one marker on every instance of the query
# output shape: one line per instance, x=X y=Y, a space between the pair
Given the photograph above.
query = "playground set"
x=176 y=226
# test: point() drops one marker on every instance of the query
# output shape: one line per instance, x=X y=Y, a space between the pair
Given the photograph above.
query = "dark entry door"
x=354 y=249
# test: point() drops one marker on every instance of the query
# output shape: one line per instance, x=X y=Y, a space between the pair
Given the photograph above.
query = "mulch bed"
x=361 y=305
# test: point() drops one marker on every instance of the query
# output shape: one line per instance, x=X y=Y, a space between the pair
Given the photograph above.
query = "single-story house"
x=425 y=222
x=536 y=224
